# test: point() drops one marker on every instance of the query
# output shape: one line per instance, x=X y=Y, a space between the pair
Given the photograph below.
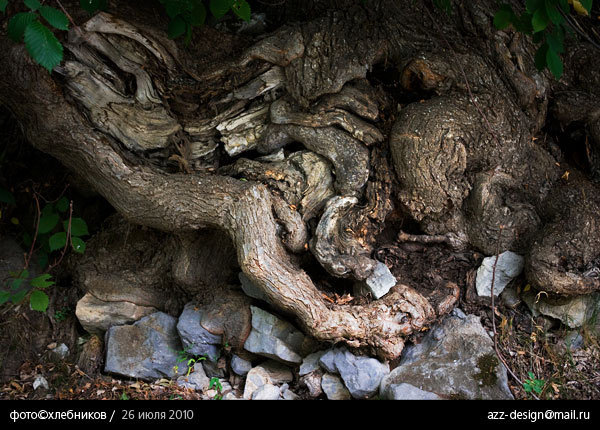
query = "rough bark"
x=466 y=163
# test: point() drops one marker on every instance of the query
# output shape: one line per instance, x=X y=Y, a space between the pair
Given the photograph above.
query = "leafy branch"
x=546 y=22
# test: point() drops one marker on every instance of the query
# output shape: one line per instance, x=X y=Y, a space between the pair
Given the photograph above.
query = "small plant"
x=62 y=314
x=183 y=356
x=39 y=39
x=20 y=286
x=546 y=21
x=124 y=396
x=216 y=384
x=54 y=230
x=533 y=385
x=186 y=14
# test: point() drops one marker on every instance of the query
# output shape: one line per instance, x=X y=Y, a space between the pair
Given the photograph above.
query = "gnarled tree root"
x=178 y=202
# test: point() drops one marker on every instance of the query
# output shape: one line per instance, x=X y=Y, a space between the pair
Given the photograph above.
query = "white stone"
x=508 y=267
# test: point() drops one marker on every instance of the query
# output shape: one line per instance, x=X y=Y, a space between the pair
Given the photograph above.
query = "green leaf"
x=553 y=13
x=523 y=23
x=533 y=5
x=540 y=20
x=198 y=15
x=47 y=223
x=220 y=7
x=19 y=296
x=587 y=4
x=564 y=5
x=57 y=241
x=177 y=27
x=62 y=205
x=32 y=4
x=43 y=260
x=55 y=17
x=4 y=297
x=39 y=301
x=18 y=23
x=3 y=4
x=78 y=227
x=48 y=209
x=78 y=245
x=242 y=9
x=504 y=17
x=540 y=57
x=43 y=46
x=6 y=197
x=92 y=6
x=42 y=281
x=554 y=63
x=555 y=40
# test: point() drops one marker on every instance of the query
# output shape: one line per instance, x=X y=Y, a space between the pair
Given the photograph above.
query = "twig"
x=577 y=28
x=37 y=226
x=496 y=347
x=67 y=241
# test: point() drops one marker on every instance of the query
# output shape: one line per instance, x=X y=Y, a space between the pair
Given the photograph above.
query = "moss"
x=487 y=364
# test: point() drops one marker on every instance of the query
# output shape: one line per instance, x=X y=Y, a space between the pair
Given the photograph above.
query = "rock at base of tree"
x=456 y=360
x=197 y=380
x=571 y=311
x=270 y=372
x=195 y=338
x=267 y=392
x=361 y=375
x=312 y=382
x=406 y=391
x=96 y=316
x=508 y=267
x=378 y=284
x=310 y=363
x=274 y=338
x=240 y=366
x=334 y=388
x=145 y=350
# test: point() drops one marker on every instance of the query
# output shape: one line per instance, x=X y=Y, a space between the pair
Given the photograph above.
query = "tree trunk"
x=181 y=139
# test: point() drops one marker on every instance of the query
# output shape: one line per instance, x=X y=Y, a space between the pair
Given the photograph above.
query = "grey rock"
x=574 y=340
x=250 y=289
x=240 y=366
x=327 y=360
x=97 y=316
x=454 y=360
x=334 y=388
x=361 y=375
x=145 y=350
x=379 y=283
x=510 y=297
x=195 y=338
x=61 y=351
x=289 y=395
x=213 y=369
x=40 y=382
x=405 y=391
x=508 y=267
x=267 y=392
x=310 y=363
x=312 y=382
x=231 y=396
x=197 y=380
x=270 y=372
x=274 y=338
x=573 y=312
